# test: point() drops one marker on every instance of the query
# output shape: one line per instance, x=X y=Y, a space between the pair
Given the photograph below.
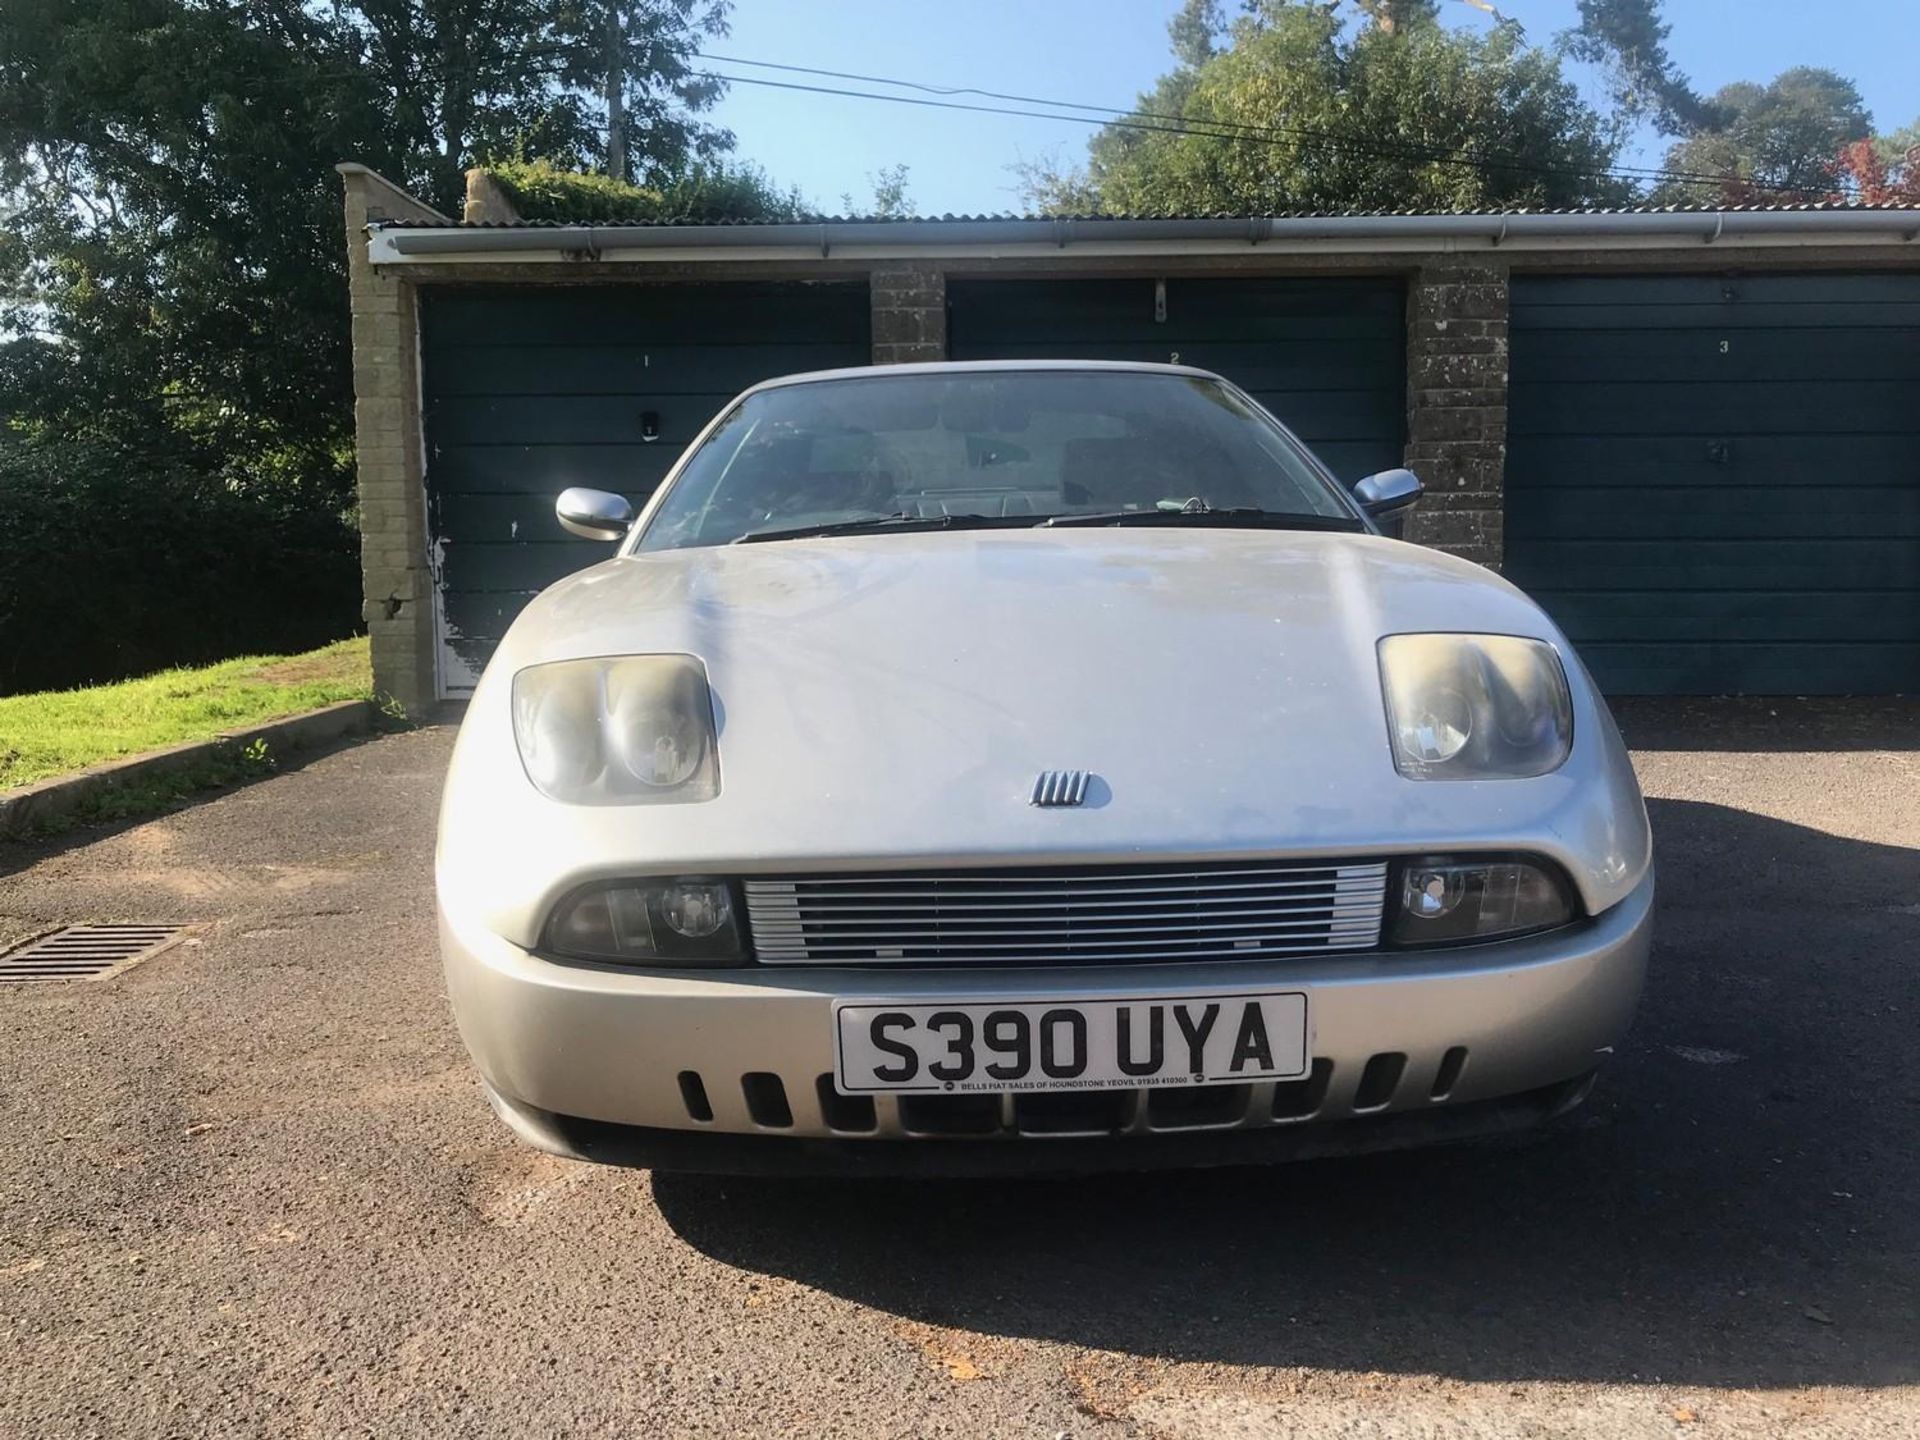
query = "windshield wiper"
x=1230 y=517
x=899 y=521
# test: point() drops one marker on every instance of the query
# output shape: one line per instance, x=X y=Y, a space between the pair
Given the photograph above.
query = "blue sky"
x=1105 y=52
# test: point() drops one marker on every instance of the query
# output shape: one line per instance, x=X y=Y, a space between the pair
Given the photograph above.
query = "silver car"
x=970 y=767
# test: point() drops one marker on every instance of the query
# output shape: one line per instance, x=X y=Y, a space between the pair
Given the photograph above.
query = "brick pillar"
x=396 y=574
x=1457 y=406
x=909 y=313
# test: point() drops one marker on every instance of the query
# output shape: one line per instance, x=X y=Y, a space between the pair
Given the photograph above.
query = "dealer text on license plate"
x=1070 y=1044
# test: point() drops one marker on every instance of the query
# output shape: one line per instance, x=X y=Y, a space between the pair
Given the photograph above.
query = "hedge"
x=541 y=192
x=111 y=566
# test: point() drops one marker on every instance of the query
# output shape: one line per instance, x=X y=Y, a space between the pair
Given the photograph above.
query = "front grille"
x=1105 y=915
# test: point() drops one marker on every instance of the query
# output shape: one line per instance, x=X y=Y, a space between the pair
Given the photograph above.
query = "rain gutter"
x=909 y=239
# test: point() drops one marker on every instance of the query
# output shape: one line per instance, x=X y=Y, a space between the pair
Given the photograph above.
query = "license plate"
x=1103 y=1043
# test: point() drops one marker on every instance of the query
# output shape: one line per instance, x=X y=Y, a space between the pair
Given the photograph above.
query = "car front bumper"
x=592 y=1062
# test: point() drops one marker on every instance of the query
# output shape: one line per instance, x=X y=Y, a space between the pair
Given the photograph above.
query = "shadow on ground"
x=1735 y=1206
x=156 y=799
x=1768 y=722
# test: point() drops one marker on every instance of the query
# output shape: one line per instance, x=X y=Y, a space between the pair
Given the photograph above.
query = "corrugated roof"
x=1808 y=207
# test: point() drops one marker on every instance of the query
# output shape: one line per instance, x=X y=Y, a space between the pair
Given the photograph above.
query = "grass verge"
x=59 y=731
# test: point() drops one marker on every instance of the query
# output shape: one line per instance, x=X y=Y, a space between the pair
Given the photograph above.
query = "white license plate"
x=1103 y=1043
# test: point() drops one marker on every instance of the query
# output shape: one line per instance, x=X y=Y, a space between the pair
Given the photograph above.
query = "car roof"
x=984 y=367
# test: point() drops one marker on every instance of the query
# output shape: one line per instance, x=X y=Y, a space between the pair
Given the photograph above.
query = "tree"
x=648 y=83
x=1790 y=139
x=1882 y=171
x=167 y=165
x=577 y=82
x=1628 y=39
x=891 y=201
x=174 y=247
x=172 y=277
x=1898 y=147
x=1194 y=30
x=1289 y=108
x=890 y=196
x=1779 y=141
x=1394 y=17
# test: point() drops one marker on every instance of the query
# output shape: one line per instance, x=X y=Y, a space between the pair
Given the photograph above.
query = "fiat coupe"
x=974 y=767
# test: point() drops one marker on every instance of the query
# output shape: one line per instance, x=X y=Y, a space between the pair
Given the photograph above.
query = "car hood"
x=888 y=700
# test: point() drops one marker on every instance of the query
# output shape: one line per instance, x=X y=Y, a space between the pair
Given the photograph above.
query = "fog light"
x=1446 y=901
x=662 y=922
x=1433 y=893
x=695 y=908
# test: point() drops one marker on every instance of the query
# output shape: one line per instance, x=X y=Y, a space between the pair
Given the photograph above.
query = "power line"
x=1219 y=130
x=1156 y=122
x=1623 y=171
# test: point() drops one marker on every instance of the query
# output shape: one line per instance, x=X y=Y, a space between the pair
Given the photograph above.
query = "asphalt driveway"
x=250 y=1187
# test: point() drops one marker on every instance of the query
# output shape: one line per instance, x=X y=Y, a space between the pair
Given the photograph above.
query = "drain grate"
x=86 y=952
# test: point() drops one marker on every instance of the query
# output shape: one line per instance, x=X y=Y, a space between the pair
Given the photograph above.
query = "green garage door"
x=1713 y=483
x=1327 y=356
x=529 y=390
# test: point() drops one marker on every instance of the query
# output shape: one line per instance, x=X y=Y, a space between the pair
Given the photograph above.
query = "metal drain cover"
x=86 y=952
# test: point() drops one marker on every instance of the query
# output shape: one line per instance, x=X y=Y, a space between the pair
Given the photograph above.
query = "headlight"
x=1445 y=901
x=618 y=731
x=1475 y=707
x=666 y=922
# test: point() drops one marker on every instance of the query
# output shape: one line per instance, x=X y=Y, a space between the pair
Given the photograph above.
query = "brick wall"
x=395 y=573
x=1457 y=406
x=909 y=314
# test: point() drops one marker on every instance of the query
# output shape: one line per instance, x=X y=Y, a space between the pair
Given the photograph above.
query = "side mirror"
x=1388 y=491
x=593 y=514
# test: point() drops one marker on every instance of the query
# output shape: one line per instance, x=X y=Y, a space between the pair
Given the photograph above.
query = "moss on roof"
x=544 y=193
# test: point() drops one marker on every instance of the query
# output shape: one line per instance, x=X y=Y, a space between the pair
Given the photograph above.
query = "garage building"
x=1694 y=436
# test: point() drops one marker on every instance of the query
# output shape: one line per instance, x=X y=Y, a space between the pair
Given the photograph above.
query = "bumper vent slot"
x=1115 y=914
x=1448 y=1075
x=1302 y=1099
x=1082 y=1112
x=853 y=1114
x=693 y=1094
x=1197 y=1107
x=1378 y=1081
x=766 y=1099
x=950 y=1114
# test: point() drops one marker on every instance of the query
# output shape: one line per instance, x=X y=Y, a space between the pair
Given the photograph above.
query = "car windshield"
x=989 y=448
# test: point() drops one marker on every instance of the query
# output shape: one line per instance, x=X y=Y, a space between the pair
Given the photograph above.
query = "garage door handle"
x=649 y=425
x=1718 y=451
